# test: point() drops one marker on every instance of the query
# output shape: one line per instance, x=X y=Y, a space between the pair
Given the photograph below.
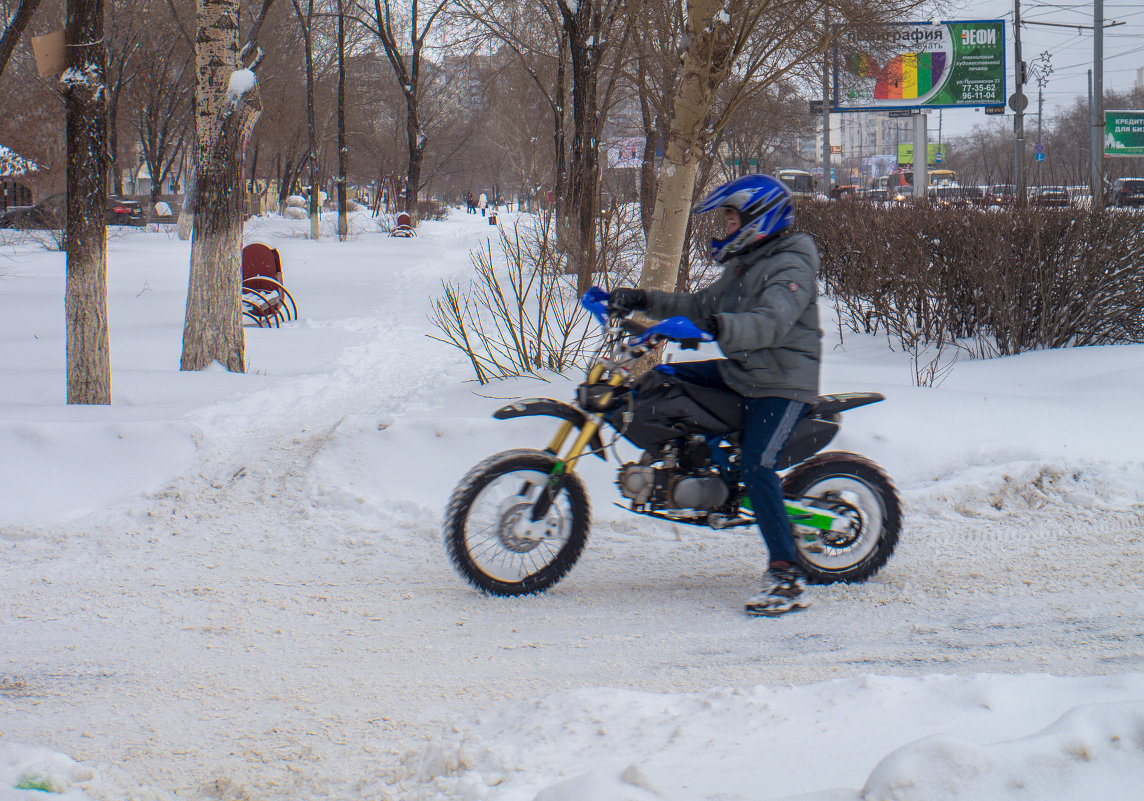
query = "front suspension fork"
x=567 y=464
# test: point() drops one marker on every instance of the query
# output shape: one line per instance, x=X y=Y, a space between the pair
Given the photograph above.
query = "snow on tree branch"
x=241 y=82
x=90 y=78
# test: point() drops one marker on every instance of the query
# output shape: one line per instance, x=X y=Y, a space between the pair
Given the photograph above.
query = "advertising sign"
x=1123 y=133
x=877 y=166
x=934 y=153
x=921 y=65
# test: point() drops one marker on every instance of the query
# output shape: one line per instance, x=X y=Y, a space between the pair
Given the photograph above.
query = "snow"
x=233 y=586
x=90 y=76
x=241 y=82
x=13 y=165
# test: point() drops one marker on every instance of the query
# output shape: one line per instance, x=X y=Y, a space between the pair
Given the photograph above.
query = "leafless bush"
x=386 y=223
x=698 y=269
x=621 y=245
x=48 y=238
x=985 y=282
x=430 y=210
x=534 y=323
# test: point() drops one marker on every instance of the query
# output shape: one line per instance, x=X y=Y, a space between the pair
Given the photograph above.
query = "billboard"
x=906 y=153
x=1123 y=133
x=921 y=65
x=877 y=166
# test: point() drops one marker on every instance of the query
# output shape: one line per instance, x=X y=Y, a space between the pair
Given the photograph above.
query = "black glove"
x=709 y=324
x=625 y=300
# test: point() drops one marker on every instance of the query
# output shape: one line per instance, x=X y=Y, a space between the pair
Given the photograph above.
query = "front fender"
x=546 y=407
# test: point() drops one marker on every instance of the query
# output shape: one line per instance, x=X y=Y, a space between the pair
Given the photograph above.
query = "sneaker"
x=783 y=593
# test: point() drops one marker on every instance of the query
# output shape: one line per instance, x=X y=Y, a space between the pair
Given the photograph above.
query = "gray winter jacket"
x=768 y=318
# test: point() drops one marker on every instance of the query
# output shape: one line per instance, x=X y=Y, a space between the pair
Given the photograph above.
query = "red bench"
x=404 y=226
x=265 y=299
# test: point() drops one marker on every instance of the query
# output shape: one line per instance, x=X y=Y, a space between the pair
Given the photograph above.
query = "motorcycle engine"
x=685 y=481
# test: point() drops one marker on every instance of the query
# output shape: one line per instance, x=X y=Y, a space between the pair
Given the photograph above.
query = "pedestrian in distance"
x=763 y=312
x=482 y=203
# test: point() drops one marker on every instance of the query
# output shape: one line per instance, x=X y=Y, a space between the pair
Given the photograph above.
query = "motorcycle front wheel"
x=856 y=489
x=490 y=536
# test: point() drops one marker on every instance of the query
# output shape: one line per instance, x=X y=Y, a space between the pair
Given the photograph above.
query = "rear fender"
x=546 y=407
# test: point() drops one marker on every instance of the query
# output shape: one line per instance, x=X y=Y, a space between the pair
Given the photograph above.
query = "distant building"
x=856 y=139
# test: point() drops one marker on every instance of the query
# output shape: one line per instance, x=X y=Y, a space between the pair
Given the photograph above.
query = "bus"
x=905 y=177
x=799 y=182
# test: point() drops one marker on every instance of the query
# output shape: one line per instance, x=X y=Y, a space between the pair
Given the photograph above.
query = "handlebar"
x=678 y=329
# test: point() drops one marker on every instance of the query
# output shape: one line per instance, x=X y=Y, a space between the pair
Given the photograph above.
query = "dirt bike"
x=518 y=521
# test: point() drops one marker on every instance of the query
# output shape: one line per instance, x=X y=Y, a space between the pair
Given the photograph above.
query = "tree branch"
x=14 y=29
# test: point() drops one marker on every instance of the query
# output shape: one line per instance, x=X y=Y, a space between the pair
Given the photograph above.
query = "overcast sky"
x=1070 y=52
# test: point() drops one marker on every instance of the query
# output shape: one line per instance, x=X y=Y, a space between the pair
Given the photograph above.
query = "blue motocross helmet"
x=764 y=207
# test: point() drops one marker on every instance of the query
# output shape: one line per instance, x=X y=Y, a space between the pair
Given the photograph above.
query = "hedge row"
x=997 y=281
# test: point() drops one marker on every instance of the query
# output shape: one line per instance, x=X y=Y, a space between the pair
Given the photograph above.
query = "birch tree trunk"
x=226 y=108
x=85 y=290
x=706 y=64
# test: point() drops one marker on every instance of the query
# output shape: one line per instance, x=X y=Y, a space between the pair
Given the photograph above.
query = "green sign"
x=1123 y=133
x=906 y=153
x=921 y=65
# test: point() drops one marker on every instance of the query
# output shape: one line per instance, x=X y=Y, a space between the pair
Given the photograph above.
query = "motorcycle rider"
x=763 y=314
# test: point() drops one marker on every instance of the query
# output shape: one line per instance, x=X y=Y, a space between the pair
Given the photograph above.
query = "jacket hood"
x=800 y=243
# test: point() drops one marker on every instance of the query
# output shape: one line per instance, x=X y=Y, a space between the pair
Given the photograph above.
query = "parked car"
x=51 y=212
x=954 y=195
x=121 y=211
x=1001 y=195
x=1049 y=196
x=1126 y=192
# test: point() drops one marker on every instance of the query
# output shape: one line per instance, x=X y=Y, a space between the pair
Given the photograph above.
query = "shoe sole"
x=776 y=612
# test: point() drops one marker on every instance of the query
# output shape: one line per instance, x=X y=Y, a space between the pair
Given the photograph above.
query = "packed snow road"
x=243 y=639
x=281 y=620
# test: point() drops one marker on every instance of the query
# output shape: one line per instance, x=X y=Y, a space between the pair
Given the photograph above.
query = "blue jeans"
x=767 y=425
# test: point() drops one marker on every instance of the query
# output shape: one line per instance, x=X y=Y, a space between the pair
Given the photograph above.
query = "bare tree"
x=306 y=23
x=392 y=21
x=14 y=28
x=596 y=31
x=227 y=105
x=343 y=154
x=162 y=102
x=534 y=34
x=85 y=293
x=753 y=45
x=124 y=39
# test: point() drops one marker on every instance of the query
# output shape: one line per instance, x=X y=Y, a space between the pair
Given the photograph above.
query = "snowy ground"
x=233 y=586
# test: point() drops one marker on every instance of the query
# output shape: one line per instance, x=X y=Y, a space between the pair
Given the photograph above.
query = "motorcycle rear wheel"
x=489 y=535
x=856 y=488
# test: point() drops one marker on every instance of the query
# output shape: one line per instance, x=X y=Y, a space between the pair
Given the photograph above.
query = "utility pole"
x=1095 y=97
x=1041 y=69
x=921 y=156
x=1018 y=104
x=1096 y=107
x=826 y=116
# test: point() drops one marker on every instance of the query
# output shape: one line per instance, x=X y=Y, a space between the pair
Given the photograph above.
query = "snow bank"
x=29 y=773
x=939 y=738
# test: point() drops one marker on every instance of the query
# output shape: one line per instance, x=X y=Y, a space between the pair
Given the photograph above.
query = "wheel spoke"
x=491 y=536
